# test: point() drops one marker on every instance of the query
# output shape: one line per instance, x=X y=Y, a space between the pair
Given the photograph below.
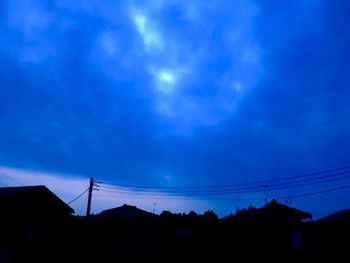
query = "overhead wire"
x=315 y=193
x=235 y=190
x=76 y=198
x=171 y=197
x=315 y=178
x=83 y=205
x=227 y=192
x=9 y=177
x=328 y=172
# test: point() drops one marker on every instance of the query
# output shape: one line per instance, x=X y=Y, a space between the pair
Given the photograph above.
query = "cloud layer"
x=173 y=93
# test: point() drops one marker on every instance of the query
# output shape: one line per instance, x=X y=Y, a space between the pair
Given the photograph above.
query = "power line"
x=5 y=184
x=78 y=196
x=174 y=197
x=279 y=198
x=236 y=190
x=217 y=192
x=9 y=177
x=316 y=193
x=251 y=185
x=83 y=204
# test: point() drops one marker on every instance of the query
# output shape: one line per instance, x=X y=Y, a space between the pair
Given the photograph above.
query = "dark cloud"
x=79 y=94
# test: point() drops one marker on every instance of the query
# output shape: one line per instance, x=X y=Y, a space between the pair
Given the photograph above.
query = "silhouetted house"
x=331 y=233
x=277 y=212
x=284 y=227
x=126 y=212
x=274 y=229
x=128 y=227
x=29 y=201
x=342 y=216
x=29 y=217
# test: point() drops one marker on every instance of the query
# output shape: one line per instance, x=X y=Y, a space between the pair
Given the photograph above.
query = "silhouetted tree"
x=210 y=215
x=192 y=214
x=166 y=214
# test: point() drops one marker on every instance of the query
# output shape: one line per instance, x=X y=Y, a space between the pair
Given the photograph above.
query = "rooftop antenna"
x=265 y=186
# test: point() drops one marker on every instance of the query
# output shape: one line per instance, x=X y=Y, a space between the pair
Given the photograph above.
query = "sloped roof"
x=336 y=217
x=278 y=211
x=126 y=212
x=36 y=199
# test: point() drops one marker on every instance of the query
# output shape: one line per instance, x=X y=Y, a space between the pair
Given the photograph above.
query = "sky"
x=166 y=94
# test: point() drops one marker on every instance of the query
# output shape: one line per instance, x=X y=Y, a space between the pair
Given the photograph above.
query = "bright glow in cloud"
x=166 y=81
x=151 y=38
x=166 y=77
x=140 y=22
x=198 y=53
x=62 y=61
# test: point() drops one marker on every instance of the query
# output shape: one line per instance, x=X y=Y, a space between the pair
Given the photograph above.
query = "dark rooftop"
x=126 y=212
x=36 y=199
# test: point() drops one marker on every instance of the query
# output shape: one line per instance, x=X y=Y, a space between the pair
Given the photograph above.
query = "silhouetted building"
x=277 y=212
x=32 y=201
x=274 y=230
x=331 y=233
x=31 y=224
x=342 y=216
x=126 y=212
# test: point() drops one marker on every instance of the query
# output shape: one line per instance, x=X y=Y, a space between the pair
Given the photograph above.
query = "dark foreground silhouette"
x=36 y=226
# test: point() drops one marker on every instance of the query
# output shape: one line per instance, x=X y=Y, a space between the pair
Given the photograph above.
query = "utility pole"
x=90 y=196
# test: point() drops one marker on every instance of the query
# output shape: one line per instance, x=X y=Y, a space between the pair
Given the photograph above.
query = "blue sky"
x=175 y=93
